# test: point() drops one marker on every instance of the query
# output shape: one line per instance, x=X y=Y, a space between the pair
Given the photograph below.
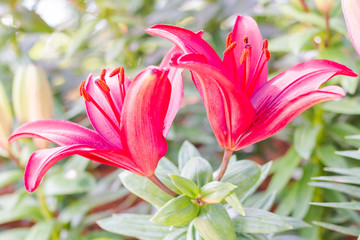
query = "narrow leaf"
x=235 y=203
x=345 y=171
x=344 y=188
x=179 y=234
x=198 y=170
x=339 y=179
x=10 y=176
x=305 y=140
x=215 y=192
x=186 y=152
x=134 y=225
x=345 y=230
x=344 y=205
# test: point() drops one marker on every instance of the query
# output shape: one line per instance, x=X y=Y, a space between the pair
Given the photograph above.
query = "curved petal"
x=246 y=26
x=351 y=10
x=300 y=79
x=60 y=132
x=229 y=110
x=177 y=89
x=187 y=41
x=142 y=119
x=42 y=160
x=273 y=119
x=100 y=123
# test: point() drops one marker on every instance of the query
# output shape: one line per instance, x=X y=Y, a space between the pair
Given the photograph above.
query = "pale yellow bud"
x=32 y=97
x=325 y=6
x=6 y=119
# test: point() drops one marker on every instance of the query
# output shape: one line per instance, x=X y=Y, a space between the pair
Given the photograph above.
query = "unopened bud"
x=6 y=119
x=325 y=6
x=32 y=97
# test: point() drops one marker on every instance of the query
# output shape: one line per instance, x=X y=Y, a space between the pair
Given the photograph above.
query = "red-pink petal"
x=142 y=119
x=42 y=160
x=187 y=41
x=246 y=26
x=277 y=117
x=229 y=110
x=97 y=119
x=351 y=10
x=177 y=89
x=300 y=79
x=60 y=132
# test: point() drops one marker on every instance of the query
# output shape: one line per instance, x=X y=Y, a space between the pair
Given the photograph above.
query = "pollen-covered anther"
x=102 y=85
x=83 y=92
x=122 y=75
x=114 y=72
x=102 y=75
x=246 y=39
x=267 y=54
x=228 y=39
x=230 y=48
x=265 y=44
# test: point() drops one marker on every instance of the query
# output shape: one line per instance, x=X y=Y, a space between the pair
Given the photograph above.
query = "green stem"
x=304 y=5
x=162 y=186
x=328 y=30
x=224 y=164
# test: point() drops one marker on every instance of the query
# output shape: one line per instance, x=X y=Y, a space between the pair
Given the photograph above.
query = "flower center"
x=248 y=81
x=105 y=90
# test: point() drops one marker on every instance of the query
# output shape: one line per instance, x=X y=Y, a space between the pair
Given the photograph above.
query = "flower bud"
x=32 y=97
x=6 y=119
x=324 y=6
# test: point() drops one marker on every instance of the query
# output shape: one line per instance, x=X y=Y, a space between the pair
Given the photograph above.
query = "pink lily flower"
x=242 y=106
x=131 y=120
x=351 y=10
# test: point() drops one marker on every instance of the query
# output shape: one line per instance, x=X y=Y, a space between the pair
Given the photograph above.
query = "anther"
x=246 y=39
x=267 y=54
x=229 y=48
x=102 y=84
x=265 y=44
x=102 y=75
x=81 y=87
x=114 y=72
x=122 y=75
x=228 y=39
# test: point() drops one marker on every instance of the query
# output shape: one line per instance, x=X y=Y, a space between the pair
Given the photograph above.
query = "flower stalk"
x=162 y=186
x=224 y=164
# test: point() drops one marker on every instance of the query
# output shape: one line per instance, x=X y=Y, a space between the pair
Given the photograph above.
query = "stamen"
x=246 y=39
x=267 y=54
x=229 y=39
x=102 y=84
x=82 y=84
x=83 y=92
x=102 y=75
x=229 y=48
x=122 y=75
x=114 y=72
x=244 y=55
x=265 y=44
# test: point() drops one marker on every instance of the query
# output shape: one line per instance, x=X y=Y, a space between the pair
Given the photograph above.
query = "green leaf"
x=69 y=182
x=144 y=188
x=176 y=212
x=344 y=188
x=163 y=170
x=262 y=200
x=14 y=234
x=134 y=225
x=343 y=106
x=265 y=169
x=350 y=154
x=296 y=223
x=186 y=152
x=215 y=192
x=305 y=140
x=40 y=231
x=327 y=156
x=198 y=170
x=10 y=176
x=345 y=230
x=179 y=234
x=260 y=221
x=235 y=203
x=30 y=21
x=185 y=186
x=214 y=223
x=345 y=171
x=339 y=179
x=284 y=168
x=244 y=174
x=343 y=205
x=192 y=233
